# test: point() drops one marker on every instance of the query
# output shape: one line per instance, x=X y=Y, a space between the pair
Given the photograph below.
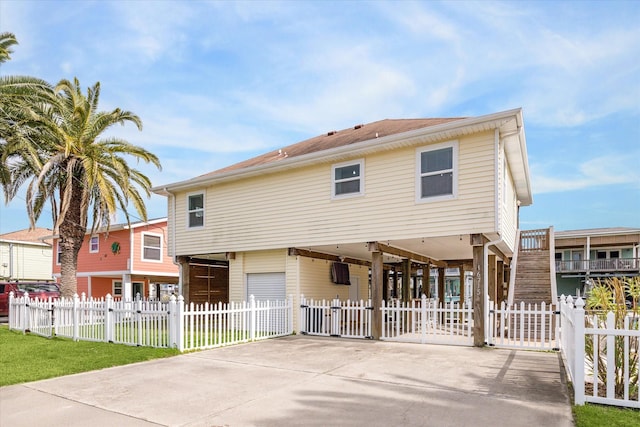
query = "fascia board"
x=445 y=130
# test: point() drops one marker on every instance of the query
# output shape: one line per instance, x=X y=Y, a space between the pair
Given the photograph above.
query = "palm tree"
x=15 y=92
x=56 y=146
x=6 y=41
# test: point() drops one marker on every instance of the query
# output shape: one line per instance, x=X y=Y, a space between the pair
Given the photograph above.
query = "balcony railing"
x=613 y=264
x=534 y=240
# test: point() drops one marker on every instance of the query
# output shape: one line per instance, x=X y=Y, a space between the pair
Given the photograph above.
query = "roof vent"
x=332 y=132
x=358 y=126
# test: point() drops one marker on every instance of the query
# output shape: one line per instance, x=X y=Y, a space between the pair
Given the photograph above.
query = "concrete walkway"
x=306 y=381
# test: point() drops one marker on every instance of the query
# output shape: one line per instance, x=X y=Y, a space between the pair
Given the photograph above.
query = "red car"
x=39 y=290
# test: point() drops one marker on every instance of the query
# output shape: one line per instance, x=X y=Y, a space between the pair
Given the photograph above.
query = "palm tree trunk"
x=71 y=233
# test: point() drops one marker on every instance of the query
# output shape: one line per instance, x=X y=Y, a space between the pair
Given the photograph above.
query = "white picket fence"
x=152 y=323
x=348 y=319
x=427 y=321
x=527 y=326
x=591 y=344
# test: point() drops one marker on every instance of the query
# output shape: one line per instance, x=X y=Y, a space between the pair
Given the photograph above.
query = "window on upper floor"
x=94 y=244
x=195 y=206
x=347 y=179
x=437 y=170
x=58 y=252
x=151 y=247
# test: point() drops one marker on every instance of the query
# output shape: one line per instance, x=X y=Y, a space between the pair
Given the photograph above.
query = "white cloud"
x=611 y=169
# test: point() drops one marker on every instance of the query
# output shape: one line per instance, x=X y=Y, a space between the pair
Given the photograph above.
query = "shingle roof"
x=336 y=139
x=27 y=235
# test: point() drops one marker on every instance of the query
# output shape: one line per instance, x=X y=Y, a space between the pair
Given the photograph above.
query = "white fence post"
x=290 y=314
x=252 y=318
x=76 y=318
x=172 y=320
x=109 y=323
x=180 y=323
x=423 y=318
x=302 y=316
x=138 y=317
x=578 y=367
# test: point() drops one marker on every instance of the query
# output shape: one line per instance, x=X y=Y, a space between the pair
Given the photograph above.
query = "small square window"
x=94 y=244
x=347 y=179
x=196 y=210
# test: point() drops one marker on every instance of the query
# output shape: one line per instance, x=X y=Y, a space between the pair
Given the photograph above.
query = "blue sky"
x=218 y=82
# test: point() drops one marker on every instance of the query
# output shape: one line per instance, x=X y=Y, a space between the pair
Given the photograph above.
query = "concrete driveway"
x=304 y=381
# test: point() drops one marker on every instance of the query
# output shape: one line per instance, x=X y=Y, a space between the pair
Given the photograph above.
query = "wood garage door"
x=266 y=286
x=208 y=283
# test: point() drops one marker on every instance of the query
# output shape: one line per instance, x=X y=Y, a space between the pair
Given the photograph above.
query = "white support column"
x=127 y=288
x=89 y=287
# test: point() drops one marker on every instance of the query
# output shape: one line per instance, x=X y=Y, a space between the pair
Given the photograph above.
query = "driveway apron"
x=306 y=381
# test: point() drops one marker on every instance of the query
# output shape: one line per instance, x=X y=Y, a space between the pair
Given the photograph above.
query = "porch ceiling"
x=438 y=248
x=445 y=248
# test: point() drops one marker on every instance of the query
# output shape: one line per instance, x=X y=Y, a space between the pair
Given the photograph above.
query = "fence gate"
x=523 y=325
x=427 y=321
x=349 y=319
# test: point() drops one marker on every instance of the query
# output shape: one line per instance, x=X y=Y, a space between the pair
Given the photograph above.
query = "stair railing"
x=535 y=240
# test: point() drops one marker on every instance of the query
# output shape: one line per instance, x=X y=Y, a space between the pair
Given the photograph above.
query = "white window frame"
x=113 y=288
x=359 y=162
x=189 y=212
x=93 y=239
x=454 y=171
x=58 y=252
x=142 y=246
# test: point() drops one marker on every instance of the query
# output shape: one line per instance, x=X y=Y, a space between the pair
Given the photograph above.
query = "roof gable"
x=361 y=140
x=335 y=139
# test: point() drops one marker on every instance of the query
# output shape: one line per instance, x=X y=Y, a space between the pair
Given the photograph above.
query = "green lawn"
x=600 y=415
x=25 y=358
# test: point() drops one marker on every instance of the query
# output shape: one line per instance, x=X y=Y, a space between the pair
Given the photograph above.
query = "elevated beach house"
x=366 y=212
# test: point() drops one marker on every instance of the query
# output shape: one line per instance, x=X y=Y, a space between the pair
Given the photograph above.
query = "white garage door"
x=266 y=286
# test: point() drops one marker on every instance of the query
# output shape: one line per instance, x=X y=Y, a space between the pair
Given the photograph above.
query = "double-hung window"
x=437 y=172
x=94 y=244
x=347 y=179
x=151 y=247
x=117 y=288
x=196 y=210
x=58 y=252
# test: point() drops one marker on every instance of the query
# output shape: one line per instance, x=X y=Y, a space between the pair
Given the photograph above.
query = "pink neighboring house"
x=124 y=262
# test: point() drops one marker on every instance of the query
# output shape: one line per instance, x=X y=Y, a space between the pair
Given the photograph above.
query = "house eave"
x=425 y=135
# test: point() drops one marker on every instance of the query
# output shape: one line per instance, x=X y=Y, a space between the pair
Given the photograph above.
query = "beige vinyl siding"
x=315 y=280
x=30 y=261
x=236 y=278
x=509 y=216
x=273 y=261
x=295 y=208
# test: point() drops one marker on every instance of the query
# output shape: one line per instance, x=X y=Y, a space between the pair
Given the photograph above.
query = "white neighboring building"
x=26 y=255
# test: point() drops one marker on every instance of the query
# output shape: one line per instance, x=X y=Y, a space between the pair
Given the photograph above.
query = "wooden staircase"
x=533 y=268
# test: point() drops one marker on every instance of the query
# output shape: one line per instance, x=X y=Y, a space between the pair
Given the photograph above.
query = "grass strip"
x=25 y=358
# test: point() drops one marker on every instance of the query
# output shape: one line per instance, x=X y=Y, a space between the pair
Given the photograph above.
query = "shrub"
x=620 y=296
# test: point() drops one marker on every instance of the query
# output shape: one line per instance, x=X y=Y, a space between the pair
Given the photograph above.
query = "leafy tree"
x=51 y=140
